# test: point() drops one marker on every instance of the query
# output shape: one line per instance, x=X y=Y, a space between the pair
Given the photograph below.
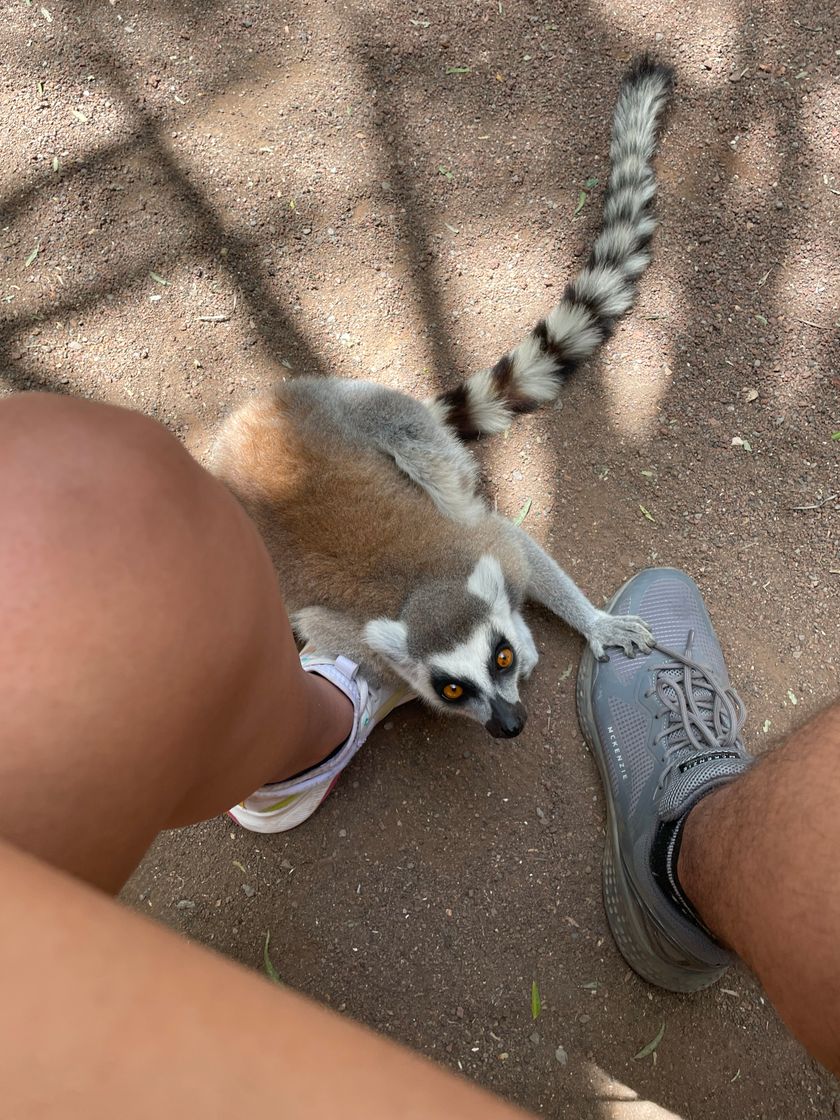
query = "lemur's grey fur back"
x=534 y=371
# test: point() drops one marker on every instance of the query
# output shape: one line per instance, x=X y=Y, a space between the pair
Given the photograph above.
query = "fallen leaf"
x=651 y=1046
x=647 y=513
x=582 y=197
x=270 y=971
x=446 y=173
x=523 y=513
x=32 y=256
x=536 y=1002
x=835 y=435
x=750 y=395
x=158 y=279
x=761 y=319
x=792 y=698
x=590 y=183
x=241 y=866
x=79 y=115
x=458 y=70
x=766 y=726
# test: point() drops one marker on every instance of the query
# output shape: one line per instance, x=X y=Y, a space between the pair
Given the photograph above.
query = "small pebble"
x=561 y=1055
x=248 y=890
x=535 y=1037
x=185 y=904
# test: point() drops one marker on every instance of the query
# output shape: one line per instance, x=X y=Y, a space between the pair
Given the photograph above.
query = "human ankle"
x=328 y=725
x=696 y=867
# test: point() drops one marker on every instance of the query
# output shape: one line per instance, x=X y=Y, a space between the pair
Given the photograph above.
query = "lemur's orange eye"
x=504 y=658
x=452 y=691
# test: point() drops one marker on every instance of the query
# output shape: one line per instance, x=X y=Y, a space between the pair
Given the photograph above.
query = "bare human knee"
x=104 y=505
x=129 y=625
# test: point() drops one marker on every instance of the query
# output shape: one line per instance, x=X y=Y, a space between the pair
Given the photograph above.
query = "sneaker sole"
x=636 y=934
x=268 y=823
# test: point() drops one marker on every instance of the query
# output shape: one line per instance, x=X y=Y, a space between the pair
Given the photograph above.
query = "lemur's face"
x=463 y=647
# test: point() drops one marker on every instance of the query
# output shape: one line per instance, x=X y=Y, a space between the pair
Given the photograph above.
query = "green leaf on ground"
x=792 y=697
x=446 y=173
x=536 y=1002
x=591 y=985
x=835 y=435
x=582 y=197
x=32 y=255
x=590 y=183
x=458 y=69
x=761 y=319
x=646 y=513
x=651 y=1046
x=523 y=513
x=158 y=279
x=270 y=971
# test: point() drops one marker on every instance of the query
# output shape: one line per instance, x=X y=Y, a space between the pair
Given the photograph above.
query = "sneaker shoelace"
x=704 y=719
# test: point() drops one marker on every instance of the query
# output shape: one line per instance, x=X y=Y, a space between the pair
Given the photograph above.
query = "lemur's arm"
x=548 y=584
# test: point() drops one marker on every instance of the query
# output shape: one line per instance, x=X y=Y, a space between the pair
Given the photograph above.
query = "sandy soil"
x=197 y=198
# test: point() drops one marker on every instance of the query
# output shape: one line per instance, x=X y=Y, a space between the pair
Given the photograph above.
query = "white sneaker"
x=283 y=805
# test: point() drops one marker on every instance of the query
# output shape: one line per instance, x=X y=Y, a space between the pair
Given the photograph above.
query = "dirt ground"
x=198 y=197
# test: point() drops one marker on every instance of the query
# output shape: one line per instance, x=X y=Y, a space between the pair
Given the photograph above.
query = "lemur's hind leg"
x=425 y=450
x=548 y=584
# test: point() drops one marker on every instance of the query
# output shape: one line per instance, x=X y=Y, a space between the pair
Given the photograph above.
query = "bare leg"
x=105 y=1014
x=759 y=863
x=150 y=677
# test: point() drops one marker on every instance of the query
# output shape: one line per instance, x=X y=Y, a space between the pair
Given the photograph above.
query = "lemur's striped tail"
x=534 y=372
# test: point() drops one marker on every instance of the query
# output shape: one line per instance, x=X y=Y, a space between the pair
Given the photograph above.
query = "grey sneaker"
x=664 y=728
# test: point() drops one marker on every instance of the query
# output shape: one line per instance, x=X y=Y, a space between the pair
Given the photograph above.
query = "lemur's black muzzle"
x=507 y=719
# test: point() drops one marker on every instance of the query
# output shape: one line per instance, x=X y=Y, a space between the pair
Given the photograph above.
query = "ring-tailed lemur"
x=367 y=501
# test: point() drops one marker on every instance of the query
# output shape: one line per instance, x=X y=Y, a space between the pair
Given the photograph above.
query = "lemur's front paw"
x=628 y=631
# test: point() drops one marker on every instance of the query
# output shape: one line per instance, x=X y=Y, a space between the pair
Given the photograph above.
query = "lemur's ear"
x=389 y=638
x=487 y=581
